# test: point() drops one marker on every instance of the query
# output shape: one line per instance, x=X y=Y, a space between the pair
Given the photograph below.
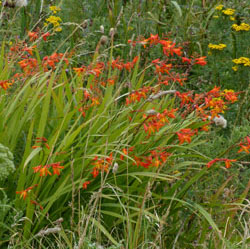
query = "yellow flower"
x=242 y=27
x=232 y=18
x=58 y=29
x=217 y=47
x=242 y=60
x=235 y=68
x=219 y=7
x=54 y=9
x=55 y=20
x=216 y=17
x=228 y=12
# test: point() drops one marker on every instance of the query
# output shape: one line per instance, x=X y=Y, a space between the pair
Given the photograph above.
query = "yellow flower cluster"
x=217 y=47
x=235 y=68
x=54 y=9
x=219 y=7
x=242 y=27
x=228 y=12
x=55 y=21
x=242 y=60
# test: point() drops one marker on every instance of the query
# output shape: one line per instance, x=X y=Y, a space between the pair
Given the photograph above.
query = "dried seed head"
x=112 y=32
x=102 y=29
x=104 y=40
x=151 y=112
x=115 y=168
x=85 y=24
x=21 y=3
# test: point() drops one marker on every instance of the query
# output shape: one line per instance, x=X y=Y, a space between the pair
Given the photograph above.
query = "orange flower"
x=185 y=59
x=185 y=98
x=95 y=172
x=44 y=36
x=33 y=35
x=24 y=193
x=209 y=164
x=185 y=135
x=245 y=146
x=29 y=50
x=227 y=162
x=5 y=84
x=43 y=170
x=85 y=184
x=201 y=61
x=56 y=168
x=230 y=95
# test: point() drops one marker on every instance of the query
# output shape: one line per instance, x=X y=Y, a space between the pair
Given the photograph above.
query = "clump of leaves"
x=6 y=162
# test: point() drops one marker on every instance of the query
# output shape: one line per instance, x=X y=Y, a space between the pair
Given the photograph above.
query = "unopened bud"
x=104 y=40
x=102 y=29
x=112 y=32
x=115 y=168
x=85 y=24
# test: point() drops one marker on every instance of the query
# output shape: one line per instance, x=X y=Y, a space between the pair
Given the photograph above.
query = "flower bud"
x=112 y=32
x=102 y=29
x=115 y=168
x=104 y=40
x=85 y=24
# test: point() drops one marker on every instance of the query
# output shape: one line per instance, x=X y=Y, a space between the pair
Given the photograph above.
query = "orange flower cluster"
x=29 y=65
x=217 y=100
x=227 y=162
x=137 y=95
x=155 y=122
x=208 y=104
x=102 y=164
x=120 y=65
x=52 y=60
x=169 y=48
x=185 y=135
x=44 y=170
x=162 y=68
x=155 y=159
x=185 y=98
x=5 y=84
x=245 y=145
x=21 y=47
x=34 y=35
x=95 y=69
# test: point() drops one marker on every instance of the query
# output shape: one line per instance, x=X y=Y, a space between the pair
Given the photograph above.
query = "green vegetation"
x=124 y=124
